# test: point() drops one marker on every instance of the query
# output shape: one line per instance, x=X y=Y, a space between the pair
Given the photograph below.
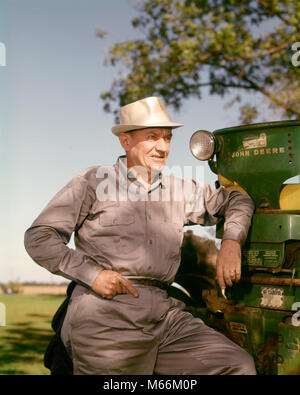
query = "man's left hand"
x=229 y=263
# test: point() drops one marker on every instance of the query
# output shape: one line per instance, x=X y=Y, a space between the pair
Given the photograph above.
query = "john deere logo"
x=255 y=142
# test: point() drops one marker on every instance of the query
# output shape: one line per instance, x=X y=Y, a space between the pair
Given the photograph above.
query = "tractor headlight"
x=202 y=144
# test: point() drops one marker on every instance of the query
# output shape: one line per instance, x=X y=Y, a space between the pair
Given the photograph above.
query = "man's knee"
x=234 y=359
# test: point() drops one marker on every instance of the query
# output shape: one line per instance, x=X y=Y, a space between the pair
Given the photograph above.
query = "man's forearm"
x=238 y=217
x=47 y=249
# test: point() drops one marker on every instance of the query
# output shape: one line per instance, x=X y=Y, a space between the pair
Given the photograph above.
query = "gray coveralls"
x=120 y=226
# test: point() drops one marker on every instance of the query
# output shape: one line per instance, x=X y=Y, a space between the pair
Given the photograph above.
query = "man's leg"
x=110 y=336
x=191 y=347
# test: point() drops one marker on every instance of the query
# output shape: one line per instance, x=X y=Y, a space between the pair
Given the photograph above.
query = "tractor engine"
x=260 y=312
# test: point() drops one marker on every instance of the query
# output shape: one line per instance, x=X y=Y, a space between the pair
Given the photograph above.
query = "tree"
x=240 y=46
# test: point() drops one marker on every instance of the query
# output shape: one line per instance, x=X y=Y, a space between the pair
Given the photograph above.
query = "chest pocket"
x=114 y=226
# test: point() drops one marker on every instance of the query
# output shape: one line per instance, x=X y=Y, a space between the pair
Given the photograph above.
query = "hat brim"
x=126 y=128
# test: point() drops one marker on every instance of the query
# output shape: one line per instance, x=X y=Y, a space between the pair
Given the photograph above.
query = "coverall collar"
x=129 y=175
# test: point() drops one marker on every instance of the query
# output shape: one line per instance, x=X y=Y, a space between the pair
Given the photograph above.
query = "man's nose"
x=162 y=145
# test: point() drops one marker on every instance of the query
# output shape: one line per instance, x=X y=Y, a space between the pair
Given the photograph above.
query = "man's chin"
x=157 y=168
x=158 y=163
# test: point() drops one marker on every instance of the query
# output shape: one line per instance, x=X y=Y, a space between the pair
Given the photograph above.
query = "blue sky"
x=52 y=124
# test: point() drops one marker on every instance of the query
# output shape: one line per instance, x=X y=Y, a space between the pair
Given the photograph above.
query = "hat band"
x=149 y=127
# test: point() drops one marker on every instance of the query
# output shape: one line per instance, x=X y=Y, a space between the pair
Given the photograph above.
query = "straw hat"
x=145 y=113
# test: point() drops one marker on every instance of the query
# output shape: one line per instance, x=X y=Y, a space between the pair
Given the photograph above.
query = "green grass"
x=27 y=333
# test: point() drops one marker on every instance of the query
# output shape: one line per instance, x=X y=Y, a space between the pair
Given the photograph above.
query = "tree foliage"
x=240 y=46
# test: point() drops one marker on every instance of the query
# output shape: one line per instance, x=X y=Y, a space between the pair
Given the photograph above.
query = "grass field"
x=27 y=332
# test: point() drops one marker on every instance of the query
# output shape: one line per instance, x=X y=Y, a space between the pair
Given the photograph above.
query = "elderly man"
x=128 y=221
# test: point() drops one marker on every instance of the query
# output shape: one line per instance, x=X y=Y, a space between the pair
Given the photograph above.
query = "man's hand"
x=229 y=263
x=109 y=283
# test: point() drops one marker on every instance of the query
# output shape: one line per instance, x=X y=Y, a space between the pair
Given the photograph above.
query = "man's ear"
x=124 y=140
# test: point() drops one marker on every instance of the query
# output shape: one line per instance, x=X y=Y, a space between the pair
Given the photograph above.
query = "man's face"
x=148 y=148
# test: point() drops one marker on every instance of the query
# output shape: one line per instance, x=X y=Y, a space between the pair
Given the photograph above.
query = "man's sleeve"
x=207 y=206
x=46 y=239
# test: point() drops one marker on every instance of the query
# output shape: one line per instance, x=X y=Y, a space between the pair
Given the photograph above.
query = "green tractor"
x=261 y=310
